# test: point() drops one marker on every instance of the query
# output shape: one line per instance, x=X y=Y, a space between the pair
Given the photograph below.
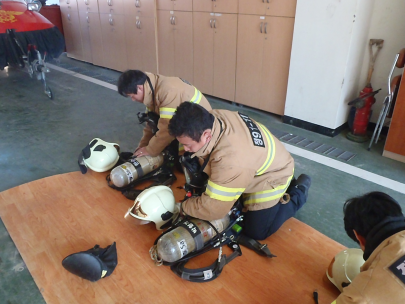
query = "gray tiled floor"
x=41 y=138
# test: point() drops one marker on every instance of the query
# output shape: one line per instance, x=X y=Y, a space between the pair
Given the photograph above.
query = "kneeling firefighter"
x=189 y=237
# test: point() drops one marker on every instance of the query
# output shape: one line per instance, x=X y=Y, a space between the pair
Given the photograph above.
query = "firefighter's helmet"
x=99 y=156
x=156 y=204
x=344 y=267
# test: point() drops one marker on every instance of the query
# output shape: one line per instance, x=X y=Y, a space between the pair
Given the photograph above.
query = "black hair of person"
x=190 y=120
x=129 y=80
x=364 y=212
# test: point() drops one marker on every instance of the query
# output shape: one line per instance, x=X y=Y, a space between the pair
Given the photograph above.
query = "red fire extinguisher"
x=363 y=110
x=365 y=100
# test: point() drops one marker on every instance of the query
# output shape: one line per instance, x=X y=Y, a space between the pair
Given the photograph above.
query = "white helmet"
x=99 y=156
x=155 y=204
x=344 y=267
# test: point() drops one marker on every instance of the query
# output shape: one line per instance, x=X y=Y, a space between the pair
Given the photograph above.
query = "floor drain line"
x=313 y=145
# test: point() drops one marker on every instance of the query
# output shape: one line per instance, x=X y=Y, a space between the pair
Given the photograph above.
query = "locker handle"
x=174 y=20
x=67 y=1
x=68 y=16
x=171 y=20
x=86 y=2
x=268 y=1
x=211 y=20
x=261 y=27
x=215 y=23
x=87 y=19
x=111 y=20
x=265 y=28
x=137 y=3
x=109 y=2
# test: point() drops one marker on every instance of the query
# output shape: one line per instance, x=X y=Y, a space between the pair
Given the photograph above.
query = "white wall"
x=329 y=58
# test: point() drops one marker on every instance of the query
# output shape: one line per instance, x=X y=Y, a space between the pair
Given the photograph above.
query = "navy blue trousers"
x=262 y=223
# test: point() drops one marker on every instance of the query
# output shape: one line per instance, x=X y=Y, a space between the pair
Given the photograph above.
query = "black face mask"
x=93 y=264
x=193 y=171
x=151 y=119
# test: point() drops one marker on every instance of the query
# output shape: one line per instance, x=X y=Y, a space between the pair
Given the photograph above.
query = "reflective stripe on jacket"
x=170 y=92
x=245 y=158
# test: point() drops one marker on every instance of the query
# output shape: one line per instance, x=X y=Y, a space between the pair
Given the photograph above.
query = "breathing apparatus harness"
x=211 y=272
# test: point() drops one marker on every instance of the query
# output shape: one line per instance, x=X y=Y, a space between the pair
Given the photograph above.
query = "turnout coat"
x=382 y=277
x=170 y=92
x=244 y=158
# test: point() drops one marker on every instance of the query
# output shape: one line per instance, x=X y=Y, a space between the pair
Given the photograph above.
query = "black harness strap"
x=153 y=91
x=208 y=273
x=257 y=247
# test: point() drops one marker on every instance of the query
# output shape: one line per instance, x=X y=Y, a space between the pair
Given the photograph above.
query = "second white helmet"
x=99 y=156
x=344 y=267
x=156 y=204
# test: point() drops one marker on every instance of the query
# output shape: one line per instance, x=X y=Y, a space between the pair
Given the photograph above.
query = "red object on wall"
x=363 y=114
x=52 y=13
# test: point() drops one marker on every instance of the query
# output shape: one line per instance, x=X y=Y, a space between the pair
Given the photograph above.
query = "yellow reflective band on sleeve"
x=181 y=147
x=267 y=195
x=147 y=110
x=334 y=302
x=197 y=97
x=167 y=112
x=223 y=193
x=271 y=152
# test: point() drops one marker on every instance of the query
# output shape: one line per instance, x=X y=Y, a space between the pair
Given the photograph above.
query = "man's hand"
x=141 y=152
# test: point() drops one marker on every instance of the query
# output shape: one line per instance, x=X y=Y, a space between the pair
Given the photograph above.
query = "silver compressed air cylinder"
x=134 y=169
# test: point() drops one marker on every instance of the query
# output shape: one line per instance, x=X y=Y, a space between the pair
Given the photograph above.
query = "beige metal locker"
x=263 y=57
x=140 y=43
x=72 y=33
x=175 y=5
x=283 y=8
x=175 y=44
x=214 y=41
x=217 y=6
x=113 y=37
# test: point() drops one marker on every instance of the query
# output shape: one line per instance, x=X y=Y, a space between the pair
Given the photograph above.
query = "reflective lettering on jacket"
x=271 y=150
x=267 y=195
x=222 y=193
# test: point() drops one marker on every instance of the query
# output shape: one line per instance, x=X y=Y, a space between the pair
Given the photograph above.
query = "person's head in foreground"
x=364 y=213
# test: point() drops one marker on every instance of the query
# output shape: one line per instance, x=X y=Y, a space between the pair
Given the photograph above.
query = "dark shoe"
x=303 y=183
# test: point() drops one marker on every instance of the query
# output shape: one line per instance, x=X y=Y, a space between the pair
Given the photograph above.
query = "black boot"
x=303 y=183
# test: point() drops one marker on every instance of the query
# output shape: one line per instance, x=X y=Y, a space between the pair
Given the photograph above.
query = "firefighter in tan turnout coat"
x=244 y=158
x=375 y=221
x=161 y=95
